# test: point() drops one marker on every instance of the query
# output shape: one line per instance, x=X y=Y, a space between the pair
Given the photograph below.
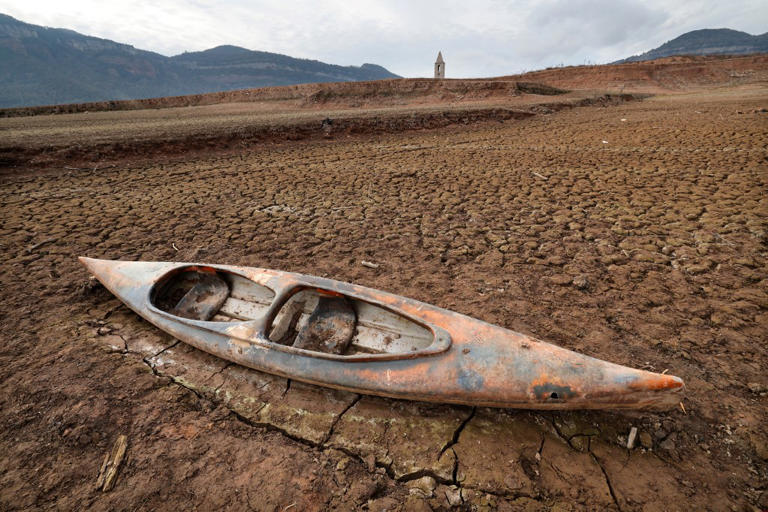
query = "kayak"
x=367 y=341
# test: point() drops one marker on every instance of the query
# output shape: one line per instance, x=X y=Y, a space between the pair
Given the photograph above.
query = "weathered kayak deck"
x=354 y=338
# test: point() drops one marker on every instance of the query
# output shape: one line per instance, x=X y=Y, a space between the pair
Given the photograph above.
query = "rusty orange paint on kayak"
x=354 y=338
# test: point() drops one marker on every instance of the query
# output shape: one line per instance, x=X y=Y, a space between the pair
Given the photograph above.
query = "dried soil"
x=634 y=233
x=101 y=138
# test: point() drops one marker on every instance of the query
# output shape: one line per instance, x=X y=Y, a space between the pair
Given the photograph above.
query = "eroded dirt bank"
x=678 y=73
x=99 y=140
x=634 y=233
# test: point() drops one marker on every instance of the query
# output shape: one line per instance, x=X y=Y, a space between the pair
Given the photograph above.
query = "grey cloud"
x=597 y=22
x=483 y=38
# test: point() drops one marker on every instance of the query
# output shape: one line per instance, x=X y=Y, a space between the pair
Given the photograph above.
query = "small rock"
x=580 y=282
x=645 y=440
x=424 y=486
x=104 y=330
x=561 y=279
x=668 y=445
x=343 y=463
x=756 y=387
x=453 y=495
x=580 y=443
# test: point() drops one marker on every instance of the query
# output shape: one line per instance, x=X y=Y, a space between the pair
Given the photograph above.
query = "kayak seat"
x=329 y=328
x=204 y=298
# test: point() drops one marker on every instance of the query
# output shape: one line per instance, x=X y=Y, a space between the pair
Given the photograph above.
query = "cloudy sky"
x=478 y=37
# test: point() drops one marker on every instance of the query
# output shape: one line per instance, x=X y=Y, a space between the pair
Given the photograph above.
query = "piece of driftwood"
x=631 y=438
x=111 y=464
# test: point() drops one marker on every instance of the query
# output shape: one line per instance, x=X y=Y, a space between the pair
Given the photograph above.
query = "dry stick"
x=68 y=168
x=369 y=264
x=631 y=438
x=540 y=176
x=102 y=471
x=40 y=244
x=112 y=463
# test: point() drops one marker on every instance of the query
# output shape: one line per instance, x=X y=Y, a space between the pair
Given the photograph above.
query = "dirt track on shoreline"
x=658 y=208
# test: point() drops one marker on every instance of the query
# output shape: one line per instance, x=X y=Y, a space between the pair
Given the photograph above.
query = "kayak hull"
x=469 y=362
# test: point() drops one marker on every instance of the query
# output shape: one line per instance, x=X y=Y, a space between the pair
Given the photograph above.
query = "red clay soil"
x=670 y=74
x=635 y=233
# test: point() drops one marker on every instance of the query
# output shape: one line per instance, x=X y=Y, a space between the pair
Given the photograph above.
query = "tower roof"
x=439 y=58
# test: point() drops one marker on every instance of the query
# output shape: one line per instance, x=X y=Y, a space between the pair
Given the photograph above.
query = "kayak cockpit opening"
x=312 y=319
x=202 y=293
x=326 y=321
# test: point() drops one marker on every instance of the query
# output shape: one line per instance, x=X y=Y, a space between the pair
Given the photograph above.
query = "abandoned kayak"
x=349 y=337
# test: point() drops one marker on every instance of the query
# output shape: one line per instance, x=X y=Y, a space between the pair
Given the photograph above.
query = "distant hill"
x=44 y=66
x=708 y=41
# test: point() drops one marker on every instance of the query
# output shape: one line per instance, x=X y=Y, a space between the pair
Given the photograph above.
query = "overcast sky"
x=477 y=37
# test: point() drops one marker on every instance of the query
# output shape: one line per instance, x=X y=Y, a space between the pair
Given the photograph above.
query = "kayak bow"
x=358 y=339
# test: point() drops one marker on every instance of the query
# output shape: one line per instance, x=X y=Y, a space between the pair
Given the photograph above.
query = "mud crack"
x=457 y=432
x=607 y=480
x=337 y=419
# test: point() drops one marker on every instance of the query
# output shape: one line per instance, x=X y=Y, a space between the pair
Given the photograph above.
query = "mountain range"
x=44 y=66
x=47 y=66
x=708 y=41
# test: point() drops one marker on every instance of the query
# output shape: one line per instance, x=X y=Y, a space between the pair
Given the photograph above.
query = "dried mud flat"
x=634 y=233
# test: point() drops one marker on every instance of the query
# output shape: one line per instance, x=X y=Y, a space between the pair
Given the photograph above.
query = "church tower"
x=439 y=66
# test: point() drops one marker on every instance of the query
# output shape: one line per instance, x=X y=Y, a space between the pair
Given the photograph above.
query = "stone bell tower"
x=439 y=66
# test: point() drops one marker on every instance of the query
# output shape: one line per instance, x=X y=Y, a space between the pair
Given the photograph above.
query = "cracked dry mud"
x=647 y=250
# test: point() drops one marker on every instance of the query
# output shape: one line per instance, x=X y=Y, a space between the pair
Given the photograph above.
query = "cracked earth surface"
x=647 y=249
